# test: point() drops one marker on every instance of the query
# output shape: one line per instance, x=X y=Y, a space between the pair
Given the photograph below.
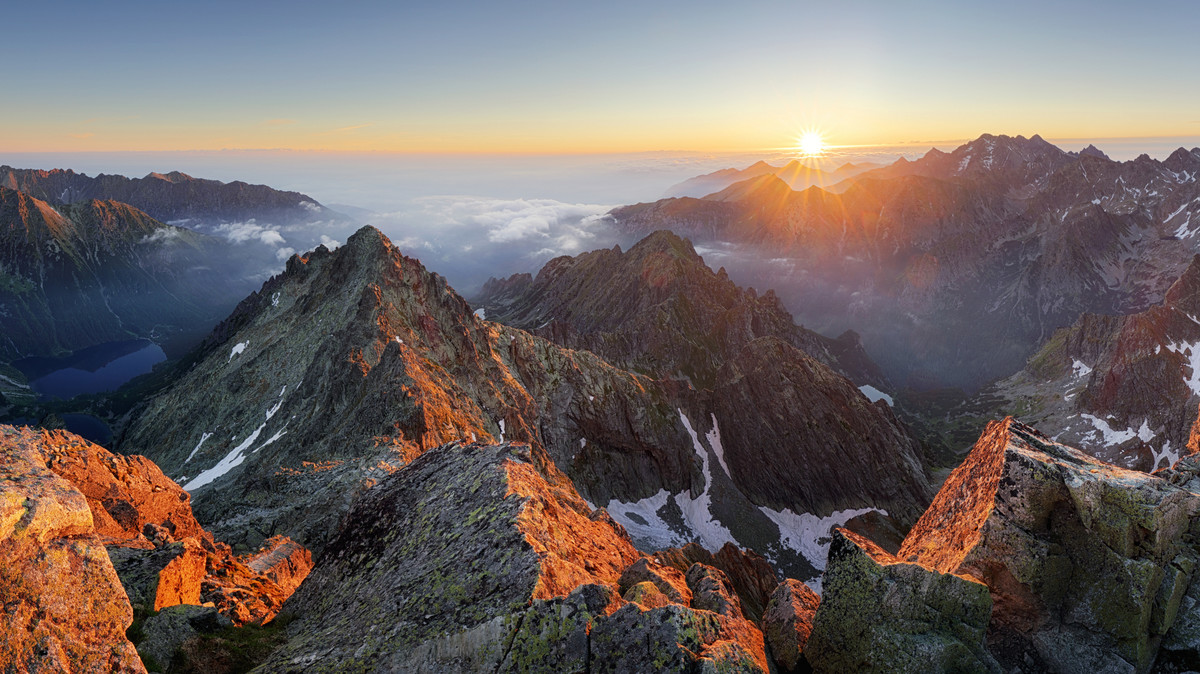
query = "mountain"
x=169 y=197
x=353 y=362
x=956 y=266
x=658 y=308
x=101 y=271
x=795 y=174
x=1123 y=388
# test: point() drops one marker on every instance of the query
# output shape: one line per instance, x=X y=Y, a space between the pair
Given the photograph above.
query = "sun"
x=811 y=144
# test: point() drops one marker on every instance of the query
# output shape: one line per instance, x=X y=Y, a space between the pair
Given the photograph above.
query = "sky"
x=572 y=78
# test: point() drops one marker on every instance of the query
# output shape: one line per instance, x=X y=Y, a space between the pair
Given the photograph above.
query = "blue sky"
x=585 y=77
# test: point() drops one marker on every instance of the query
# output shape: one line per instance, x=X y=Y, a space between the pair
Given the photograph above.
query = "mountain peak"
x=1093 y=151
x=172 y=177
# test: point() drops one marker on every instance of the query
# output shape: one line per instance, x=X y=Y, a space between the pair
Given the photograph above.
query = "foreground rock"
x=1088 y=564
x=880 y=614
x=63 y=606
x=161 y=553
x=787 y=622
x=483 y=558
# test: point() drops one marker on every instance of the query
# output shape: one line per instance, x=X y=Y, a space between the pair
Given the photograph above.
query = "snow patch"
x=275 y=300
x=1144 y=433
x=203 y=437
x=237 y=349
x=1192 y=353
x=1081 y=369
x=501 y=423
x=1111 y=437
x=237 y=455
x=873 y=394
x=1164 y=453
x=697 y=512
x=714 y=441
x=643 y=523
x=481 y=314
x=809 y=534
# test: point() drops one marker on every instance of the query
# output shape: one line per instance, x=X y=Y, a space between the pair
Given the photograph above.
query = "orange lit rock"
x=64 y=609
x=788 y=620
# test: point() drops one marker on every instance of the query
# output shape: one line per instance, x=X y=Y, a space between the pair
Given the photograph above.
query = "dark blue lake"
x=92 y=370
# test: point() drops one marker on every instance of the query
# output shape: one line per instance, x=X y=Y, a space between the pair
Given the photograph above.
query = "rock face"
x=954 y=267
x=1124 y=389
x=478 y=557
x=881 y=614
x=658 y=308
x=788 y=621
x=64 y=608
x=353 y=362
x=797 y=176
x=161 y=554
x=1087 y=563
x=103 y=271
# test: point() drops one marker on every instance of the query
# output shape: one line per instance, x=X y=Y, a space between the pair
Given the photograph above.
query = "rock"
x=712 y=591
x=126 y=493
x=670 y=582
x=165 y=633
x=788 y=621
x=880 y=614
x=63 y=606
x=752 y=575
x=157 y=578
x=1086 y=562
x=483 y=558
x=161 y=554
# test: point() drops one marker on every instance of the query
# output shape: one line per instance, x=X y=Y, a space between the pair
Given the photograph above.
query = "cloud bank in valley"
x=469 y=239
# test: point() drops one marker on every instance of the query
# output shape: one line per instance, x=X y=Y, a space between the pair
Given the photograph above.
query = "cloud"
x=241 y=232
x=161 y=235
x=469 y=239
x=351 y=128
x=284 y=253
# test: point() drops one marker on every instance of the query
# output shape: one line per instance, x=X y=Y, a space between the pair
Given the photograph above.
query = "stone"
x=165 y=632
x=788 y=621
x=670 y=582
x=752 y=575
x=880 y=614
x=63 y=608
x=712 y=591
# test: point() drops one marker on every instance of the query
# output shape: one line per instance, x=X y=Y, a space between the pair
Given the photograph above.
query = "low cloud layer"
x=469 y=239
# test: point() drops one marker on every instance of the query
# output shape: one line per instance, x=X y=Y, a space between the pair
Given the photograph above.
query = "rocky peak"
x=1183 y=160
x=1093 y=151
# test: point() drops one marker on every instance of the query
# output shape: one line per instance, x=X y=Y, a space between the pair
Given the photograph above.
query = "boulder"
x=165 y=633
x=166 y=576
x=712 y=591
x=788 y=622
x=63 y=606
x=670 y=582
x=881 y=614
x=752 y=575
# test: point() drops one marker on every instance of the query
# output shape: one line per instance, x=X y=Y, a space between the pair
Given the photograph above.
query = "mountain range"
x=956 y=266
x=628 y=461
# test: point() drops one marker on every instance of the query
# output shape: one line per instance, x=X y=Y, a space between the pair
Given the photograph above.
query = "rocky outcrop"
x=129 y=496
x=753 y=577
x=787 y=622
x=353 y=362
x=161 y=554
x=476 y=557
x=64 y=608
x=1087 y=563
x=880 y=614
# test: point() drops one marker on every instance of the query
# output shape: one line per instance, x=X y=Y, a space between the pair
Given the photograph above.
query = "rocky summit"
x=483 y=558
x=354 y=362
